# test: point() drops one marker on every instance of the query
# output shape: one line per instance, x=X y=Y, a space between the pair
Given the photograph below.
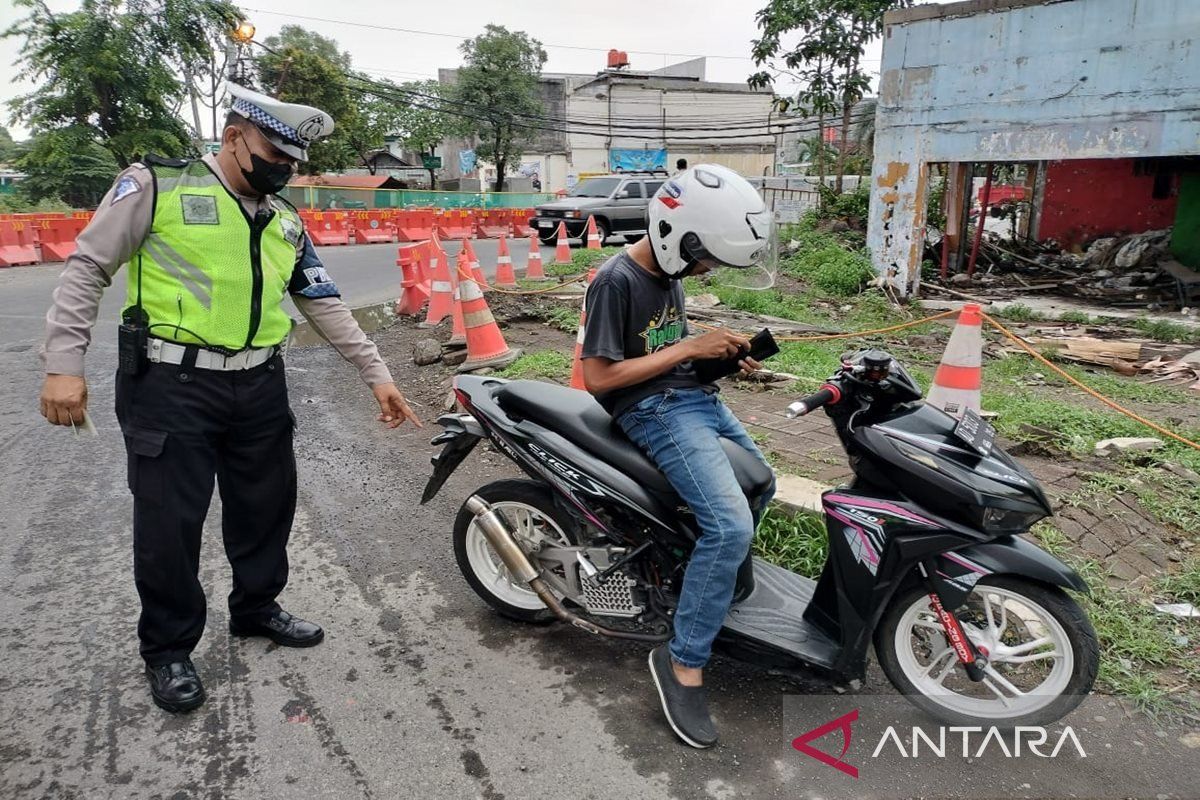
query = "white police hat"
x=289 y=126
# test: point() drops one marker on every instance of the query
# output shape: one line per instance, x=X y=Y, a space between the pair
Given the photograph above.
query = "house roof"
x=349 y=181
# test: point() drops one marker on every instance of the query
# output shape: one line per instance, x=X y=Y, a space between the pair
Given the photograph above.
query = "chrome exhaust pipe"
x=502 y=540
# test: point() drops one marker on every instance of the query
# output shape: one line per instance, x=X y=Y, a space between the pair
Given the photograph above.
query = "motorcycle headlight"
x=1005 y=520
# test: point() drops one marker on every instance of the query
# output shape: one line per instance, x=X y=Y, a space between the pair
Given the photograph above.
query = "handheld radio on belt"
x=133 y=335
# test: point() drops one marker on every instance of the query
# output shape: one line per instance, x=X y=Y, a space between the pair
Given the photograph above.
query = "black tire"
x=529 y=493
x=1066 y=611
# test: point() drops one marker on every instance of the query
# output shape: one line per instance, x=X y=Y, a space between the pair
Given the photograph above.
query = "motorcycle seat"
x=576 y=416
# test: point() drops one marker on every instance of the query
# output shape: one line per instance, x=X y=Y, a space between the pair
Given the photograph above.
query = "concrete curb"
x=797 y=494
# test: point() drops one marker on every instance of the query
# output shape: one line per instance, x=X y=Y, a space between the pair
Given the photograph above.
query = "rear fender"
x=460 y=433
x=957 y=572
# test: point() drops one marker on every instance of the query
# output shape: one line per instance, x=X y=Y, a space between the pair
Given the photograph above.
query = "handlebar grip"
x=827 y=394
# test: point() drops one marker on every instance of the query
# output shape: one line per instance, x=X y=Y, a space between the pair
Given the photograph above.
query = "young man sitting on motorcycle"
x=638 y=364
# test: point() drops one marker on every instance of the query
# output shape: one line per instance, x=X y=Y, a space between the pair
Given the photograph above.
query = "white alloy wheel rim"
x=532 y=528
x=1030 y=658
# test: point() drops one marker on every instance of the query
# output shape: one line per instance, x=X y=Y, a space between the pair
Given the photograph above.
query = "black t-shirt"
x=630 y=314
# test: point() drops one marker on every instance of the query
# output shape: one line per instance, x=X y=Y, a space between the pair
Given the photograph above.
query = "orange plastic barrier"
x=456 y=224
x=326 y=227
x=370 y=227
x=17 y=243
x=57 y=237
x=414 y=225
x=494 y=223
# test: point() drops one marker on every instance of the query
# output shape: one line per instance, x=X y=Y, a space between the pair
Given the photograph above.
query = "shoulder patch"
x=291 y=229
x=126 y=186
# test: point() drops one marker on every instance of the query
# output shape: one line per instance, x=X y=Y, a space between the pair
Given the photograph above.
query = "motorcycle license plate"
x=545 y=223
x=976 y=431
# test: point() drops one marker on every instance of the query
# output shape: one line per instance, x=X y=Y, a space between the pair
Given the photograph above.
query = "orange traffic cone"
x=533 y=267
x=485 y=344
x=441 y=297
x=577 y=381
x=593 y=236
x=458 y=330
x=505 y=277
x=473 y=260
x=562 y=251
x=958 y=378
x=414 y=295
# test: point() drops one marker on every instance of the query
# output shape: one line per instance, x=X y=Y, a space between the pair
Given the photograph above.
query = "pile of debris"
x=1125 y=271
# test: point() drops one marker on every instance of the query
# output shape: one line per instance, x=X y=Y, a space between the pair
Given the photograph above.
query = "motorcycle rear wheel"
x=1042 y=651
x=529 y=509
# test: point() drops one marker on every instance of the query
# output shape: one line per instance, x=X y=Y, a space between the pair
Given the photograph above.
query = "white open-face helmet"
x=709 y=214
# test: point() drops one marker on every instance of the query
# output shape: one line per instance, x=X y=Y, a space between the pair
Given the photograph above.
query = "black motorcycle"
x=969 y=619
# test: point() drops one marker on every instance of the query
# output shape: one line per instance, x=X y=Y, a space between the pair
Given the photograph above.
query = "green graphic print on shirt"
x=666 y=330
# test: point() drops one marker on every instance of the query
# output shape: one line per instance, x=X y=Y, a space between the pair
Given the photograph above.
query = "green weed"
x=795 y=542
x=543 y=364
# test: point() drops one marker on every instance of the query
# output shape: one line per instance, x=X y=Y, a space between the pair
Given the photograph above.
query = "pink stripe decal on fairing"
x=962 y=562
x=868 y=548
x=876 y=505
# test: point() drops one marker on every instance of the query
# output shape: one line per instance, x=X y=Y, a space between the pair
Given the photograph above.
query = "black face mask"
x=266 y=177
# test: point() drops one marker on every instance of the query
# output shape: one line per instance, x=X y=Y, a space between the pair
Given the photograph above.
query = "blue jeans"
x=679 y=430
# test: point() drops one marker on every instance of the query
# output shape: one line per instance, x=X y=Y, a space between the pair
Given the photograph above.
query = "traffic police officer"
x=212 y=252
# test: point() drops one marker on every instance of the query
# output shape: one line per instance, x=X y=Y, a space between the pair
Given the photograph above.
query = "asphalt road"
x=418 y=691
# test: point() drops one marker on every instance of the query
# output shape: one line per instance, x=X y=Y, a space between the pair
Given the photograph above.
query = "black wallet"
x=762 y=347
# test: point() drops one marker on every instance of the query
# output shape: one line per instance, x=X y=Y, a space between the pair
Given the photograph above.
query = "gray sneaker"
x=686 y=707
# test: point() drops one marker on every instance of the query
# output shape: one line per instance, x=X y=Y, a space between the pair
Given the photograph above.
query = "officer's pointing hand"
x=64 y=399
x=393 y=407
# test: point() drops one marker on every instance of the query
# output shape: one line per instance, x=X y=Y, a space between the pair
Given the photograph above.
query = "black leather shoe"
x=175 y=687
x=686 y=707
x=281 y=628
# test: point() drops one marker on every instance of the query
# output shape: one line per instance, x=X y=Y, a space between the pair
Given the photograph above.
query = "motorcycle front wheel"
x=1042 y=654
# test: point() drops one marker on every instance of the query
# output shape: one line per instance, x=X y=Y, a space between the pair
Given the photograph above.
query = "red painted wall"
x=1091 y=198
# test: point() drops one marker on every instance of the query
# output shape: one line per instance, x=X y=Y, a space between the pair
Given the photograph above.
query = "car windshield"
x=595 y=187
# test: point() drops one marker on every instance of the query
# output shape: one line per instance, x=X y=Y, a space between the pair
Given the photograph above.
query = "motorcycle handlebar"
x=827 y=394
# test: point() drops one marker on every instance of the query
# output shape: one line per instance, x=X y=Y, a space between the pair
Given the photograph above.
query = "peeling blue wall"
x=1056 y=80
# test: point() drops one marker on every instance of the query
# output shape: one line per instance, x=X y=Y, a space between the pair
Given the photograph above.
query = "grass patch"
x=1075 y=318
x=796 y=542
x=1184 y=586
x=565 y=318
x=1011 y=371
x=1136 y=642
x=1164 y=331
x=1018 y=312
x=1169 y=499
x=541 y=365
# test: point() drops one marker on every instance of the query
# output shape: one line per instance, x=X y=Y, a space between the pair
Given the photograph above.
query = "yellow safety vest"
x=210 y=274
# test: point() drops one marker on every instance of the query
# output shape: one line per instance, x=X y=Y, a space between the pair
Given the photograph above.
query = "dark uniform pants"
x=183 y=428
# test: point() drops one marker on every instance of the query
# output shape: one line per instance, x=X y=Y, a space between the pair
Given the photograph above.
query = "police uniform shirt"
x=122 y=221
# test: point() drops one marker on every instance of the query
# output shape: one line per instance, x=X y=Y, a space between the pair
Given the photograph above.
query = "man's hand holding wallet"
x=722 y=352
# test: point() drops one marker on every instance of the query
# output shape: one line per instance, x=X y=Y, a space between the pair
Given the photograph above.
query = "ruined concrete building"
x=1098 y=99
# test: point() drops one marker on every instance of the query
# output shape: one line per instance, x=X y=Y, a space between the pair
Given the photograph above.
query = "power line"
x=563 y=125
x=607 y=127
x=378 y=27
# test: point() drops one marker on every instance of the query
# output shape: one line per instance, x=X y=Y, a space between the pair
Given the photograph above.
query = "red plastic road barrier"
x=493 y=223
x=456 y=224
x=57 y=237
x=17 y=243
x=414 y=225
x=370 y=227
x=326 y=227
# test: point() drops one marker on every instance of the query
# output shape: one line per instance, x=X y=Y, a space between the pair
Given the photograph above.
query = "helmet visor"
x=759 y=275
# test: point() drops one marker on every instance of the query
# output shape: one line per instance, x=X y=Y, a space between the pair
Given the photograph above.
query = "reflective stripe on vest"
x=209 y=275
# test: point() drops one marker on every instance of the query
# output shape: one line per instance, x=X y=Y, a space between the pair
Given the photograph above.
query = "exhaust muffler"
x=502 y=540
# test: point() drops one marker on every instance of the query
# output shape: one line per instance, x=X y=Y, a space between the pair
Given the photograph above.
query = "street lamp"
x=244 y=32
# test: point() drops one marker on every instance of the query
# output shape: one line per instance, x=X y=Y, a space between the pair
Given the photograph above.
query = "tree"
x=301 y=66
x=497 y=83
x=421 y=124
x=107 y=74
x=65 y=165
x=827 y=58
x=373 y=119
x=8 y=148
